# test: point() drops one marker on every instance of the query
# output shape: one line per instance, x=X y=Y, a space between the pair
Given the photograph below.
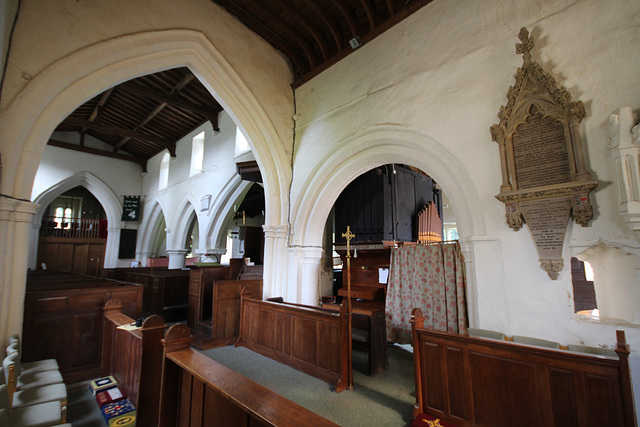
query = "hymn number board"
x=544 y=179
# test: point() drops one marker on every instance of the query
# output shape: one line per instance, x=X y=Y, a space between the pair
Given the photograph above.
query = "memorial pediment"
x=544 y=179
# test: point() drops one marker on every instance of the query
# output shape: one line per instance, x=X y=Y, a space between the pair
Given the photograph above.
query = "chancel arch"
x=358 y=154
x=107 y=198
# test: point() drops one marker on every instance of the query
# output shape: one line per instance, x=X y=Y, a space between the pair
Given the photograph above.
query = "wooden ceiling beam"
x=170 y=145
x=369 y=10
x=259 y=27
x=97 y=112
x=390 y=7
x=333 y=27
x=315 y=33
x=290 y=33
x=349 y=17
x=139 y=161
x=177 y=88
x=169 y=99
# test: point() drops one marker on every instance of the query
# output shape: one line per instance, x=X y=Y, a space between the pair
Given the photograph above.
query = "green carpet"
x=386 y=399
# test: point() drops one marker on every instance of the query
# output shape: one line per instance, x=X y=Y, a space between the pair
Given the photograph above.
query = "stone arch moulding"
x=107 y=198
x=181 y=222
x=150 y=222
x=50 y=96
x=544 y=178
x=373 y=147
x=221 y=211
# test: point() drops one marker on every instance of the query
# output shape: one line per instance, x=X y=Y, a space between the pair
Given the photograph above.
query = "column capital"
x=177 y=251
x=17 y=210
x=275 y=231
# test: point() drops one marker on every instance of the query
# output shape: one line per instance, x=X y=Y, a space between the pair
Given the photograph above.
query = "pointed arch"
x=152 y=218
x=107 y=198
x=374 y=147
x=221 y=211
x=181 y=223
x=62 y=86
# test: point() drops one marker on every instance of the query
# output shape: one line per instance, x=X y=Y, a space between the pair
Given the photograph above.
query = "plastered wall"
x=441 y=77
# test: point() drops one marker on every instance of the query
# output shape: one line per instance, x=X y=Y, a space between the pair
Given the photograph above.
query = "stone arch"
x=62 y=86
x=357 y=154
x=181 y=223
x=221 y=211
x=368 y=149
x=107 y=198
x=151 y=219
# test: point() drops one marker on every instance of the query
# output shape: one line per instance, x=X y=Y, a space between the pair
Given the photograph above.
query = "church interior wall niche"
x=544 y=179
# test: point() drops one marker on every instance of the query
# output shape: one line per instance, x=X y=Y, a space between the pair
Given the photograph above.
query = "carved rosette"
x=544 y=179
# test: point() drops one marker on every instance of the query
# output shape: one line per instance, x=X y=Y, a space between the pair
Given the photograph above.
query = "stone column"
x=15 y=226
x=275 y=261
x=112 y=248
x=177 y=258
x=310 y=275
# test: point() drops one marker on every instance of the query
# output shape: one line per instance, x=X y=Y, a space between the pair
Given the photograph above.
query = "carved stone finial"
x=514 y=220
x=526 y=45
x=582 y=214
x=553 y=266
x=497 y=133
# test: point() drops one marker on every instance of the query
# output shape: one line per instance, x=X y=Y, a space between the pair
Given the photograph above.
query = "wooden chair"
x=14 y=378
x=485 y=333
x=535 y=341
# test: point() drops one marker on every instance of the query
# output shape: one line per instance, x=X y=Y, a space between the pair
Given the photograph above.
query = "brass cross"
x=348 y=235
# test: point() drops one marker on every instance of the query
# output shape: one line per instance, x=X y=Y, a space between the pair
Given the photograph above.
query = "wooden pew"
x=197 y=390
x=166 y=292
x=313 y=340
x=475 y=381
x=372 y=323
x=63 y=319
x=134 y=357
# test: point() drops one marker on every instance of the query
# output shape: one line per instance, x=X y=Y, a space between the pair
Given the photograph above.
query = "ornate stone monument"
x=544 y=180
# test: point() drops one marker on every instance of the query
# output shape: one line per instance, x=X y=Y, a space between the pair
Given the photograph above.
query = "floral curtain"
x=432 y=278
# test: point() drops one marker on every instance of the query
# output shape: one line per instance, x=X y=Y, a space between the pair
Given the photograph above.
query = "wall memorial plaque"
x=544 y=180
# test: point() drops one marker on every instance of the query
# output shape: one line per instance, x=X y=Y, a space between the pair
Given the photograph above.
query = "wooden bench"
x=63 y=319
x=313 y=340
x=197 y=390
x=134 y=357
x=471 y=381
x=166 y=292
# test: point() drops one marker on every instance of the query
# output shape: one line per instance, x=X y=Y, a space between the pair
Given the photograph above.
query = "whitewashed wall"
x=425 y=93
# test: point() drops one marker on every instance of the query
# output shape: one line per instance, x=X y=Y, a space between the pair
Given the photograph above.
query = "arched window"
x=163 y=179
x=242 y=145
x=197 y=154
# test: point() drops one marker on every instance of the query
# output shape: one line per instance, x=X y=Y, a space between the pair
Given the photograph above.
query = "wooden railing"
x=197 y=390
x=313 y=340
x=472 y=381
x=73 y=228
